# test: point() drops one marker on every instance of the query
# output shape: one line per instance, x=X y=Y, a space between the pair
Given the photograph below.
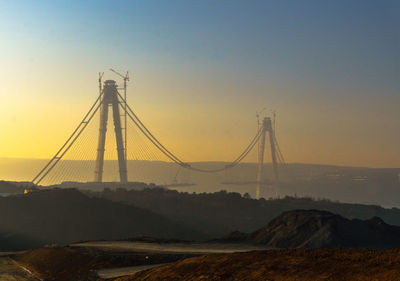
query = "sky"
x=201 y=69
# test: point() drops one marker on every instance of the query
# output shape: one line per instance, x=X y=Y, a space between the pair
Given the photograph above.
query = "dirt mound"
x=320 y=229
x=80 y=263
x=65 y=263
x=279 y=265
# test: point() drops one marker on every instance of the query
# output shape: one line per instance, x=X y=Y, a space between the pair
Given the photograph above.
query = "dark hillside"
x=63 y=216
x=10 y=188
x=222 y=212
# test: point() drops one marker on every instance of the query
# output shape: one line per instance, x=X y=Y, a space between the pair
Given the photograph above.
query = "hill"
x=10 y=188
x=222 y=212
x=320 y=229
x=67 y=215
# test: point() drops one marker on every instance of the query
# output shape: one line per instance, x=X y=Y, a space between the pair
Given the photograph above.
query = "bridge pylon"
x=266 y=127
x=110 y=98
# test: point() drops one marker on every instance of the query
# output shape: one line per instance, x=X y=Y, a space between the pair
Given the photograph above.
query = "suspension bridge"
x=82 y=159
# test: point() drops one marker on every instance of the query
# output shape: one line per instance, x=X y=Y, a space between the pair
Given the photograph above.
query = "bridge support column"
x=110 y=97
x=266 y=127
x=261 y=148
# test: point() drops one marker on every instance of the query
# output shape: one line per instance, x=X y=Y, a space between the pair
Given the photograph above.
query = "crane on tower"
x=126 y=79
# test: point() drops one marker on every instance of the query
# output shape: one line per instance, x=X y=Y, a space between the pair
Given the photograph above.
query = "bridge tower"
x=110 y=98
x=266 y=126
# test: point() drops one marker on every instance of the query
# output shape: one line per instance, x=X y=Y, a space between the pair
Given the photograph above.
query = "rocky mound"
x=320 y=229
x=295 y=264
x=67 y=215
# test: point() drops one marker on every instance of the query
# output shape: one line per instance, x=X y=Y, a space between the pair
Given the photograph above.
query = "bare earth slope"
x=321 y=229
x=281 y=265
x=80 y=263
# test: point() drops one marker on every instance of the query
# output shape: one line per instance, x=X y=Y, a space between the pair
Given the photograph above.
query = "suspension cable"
x=70 y=141
x=174 y=158
x=148 y=134
x=145 y=131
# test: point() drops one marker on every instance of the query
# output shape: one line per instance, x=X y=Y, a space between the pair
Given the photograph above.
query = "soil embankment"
x=11 y=271
x=320 y=229
x=281 y=265
x=82 y=263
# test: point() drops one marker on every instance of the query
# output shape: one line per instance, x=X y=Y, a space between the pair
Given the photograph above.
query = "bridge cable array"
x=146 y=133
x=174 y=158
x=70 y=141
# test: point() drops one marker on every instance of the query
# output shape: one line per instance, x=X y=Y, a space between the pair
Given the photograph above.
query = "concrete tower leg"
x=120 y=144
x=98 y=173
x=273 y=152
x=266 y=127
x=110 y=97
x=261 y=150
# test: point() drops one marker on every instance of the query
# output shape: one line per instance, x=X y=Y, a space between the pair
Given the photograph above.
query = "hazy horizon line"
x=222 y=161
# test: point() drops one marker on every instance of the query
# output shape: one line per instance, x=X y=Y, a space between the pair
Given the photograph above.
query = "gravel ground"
x=10 y=271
